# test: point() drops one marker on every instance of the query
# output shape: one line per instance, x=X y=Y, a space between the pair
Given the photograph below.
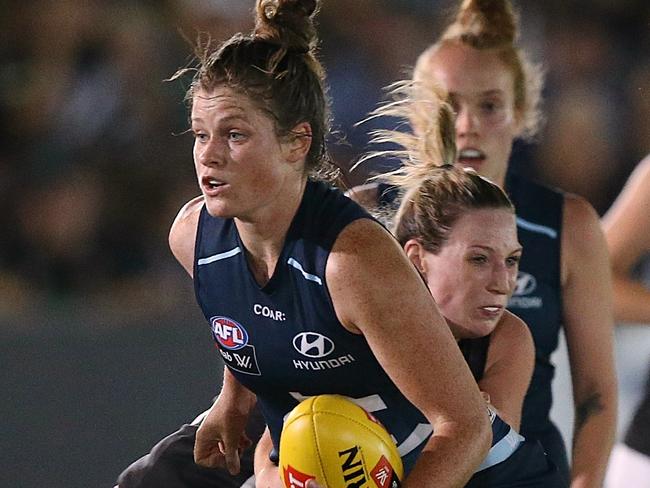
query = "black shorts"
x=527 y=467
x=553 y=444
x=170 y=464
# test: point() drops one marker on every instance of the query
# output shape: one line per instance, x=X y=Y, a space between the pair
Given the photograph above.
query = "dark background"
x=103 y=348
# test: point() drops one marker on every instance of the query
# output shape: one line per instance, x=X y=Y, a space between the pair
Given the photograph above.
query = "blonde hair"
x=494 y=25
x=435 y=191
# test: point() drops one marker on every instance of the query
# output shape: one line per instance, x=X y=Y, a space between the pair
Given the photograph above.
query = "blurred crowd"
x=95 y=159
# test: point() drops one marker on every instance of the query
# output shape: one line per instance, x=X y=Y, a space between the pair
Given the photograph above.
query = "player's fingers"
x=208 y=453
x=312 y=484
x=244 y=443
x=214 y=460
x=231 y=454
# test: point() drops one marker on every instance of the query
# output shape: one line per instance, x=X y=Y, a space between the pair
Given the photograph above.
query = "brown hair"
x=277 y=68
x=493 y=24
x=435 y=191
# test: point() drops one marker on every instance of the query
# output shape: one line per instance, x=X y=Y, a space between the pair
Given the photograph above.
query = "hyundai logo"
x=313 y=345
x=526 y=284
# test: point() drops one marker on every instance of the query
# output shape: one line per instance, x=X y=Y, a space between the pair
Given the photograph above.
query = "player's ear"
x=298 y=142
x=415 y=252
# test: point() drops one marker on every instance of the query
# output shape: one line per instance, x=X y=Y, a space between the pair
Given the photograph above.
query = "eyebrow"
x=489 y=93
x=487 y=248
x=486 y=93
x=227 y=118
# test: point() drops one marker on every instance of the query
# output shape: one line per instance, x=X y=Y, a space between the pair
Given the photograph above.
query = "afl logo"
x=313 y=345
x=526 y=284
x=228 y=333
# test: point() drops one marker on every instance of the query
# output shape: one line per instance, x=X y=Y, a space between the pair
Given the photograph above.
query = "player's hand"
x=221 y=438
x=312 y=484
x=486 y=397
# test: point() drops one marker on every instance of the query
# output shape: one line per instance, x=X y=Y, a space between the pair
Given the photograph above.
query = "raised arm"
x=221 y=435
x=509 y=368
x=627 y=231
x=377 y=292
x=587 y=301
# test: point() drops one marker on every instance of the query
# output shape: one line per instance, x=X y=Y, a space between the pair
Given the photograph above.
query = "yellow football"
x=336 y=442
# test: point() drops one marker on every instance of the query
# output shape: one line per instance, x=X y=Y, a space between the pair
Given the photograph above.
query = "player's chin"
x=483 y=326
x=219 y=208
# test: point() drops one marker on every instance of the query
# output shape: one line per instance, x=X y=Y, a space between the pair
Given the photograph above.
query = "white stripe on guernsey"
x=220 y=256
x=415 y=438
x=370 y=403
x=502 y=450
x=307 y=276
x=540 y=229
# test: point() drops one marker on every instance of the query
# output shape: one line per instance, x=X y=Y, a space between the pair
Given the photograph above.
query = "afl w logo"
x=313 y=345
x=526 y=284
x=228 y=333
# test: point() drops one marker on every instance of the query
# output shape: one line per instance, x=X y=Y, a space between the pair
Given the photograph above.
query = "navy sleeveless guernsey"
x=537 y=300
x=283 y=340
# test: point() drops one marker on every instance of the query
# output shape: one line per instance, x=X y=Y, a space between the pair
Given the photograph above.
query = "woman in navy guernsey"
x=564 y=277
x=303 y=291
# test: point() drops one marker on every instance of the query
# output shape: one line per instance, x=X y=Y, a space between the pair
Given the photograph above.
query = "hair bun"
x=287 y=23
x=485 y=23
x=269 y=8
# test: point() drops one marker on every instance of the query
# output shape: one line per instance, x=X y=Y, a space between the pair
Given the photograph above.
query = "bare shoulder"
x=512 y=335
x=584 y=254
x=580 y=219
x=583 y=242
x=363 y=241
x=368 y=273
x=362 y=245
x=183 y=232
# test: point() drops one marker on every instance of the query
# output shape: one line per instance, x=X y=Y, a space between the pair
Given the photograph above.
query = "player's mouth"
x=212 y=186
x=491 y=311
x=470 y=157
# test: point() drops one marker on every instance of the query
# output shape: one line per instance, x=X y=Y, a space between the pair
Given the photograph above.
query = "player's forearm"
x=451 y=456
x=234 y=396
x=594 y=432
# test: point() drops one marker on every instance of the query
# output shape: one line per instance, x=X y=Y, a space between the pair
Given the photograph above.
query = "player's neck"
x=264 y=236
